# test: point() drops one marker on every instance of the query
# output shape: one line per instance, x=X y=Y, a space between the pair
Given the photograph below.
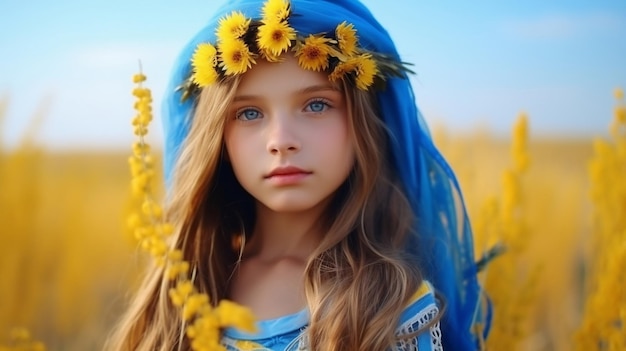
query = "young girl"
x=303 y=184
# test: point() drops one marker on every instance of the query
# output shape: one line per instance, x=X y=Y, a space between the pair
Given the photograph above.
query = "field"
x=67 y=259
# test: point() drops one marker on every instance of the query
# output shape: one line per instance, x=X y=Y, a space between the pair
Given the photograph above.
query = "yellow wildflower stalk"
x=603 y=326
x=510 y=280
x=21 y=340
x=203 y=321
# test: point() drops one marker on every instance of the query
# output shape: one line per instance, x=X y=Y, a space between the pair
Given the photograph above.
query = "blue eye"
x=248 y=114
x=317 y=106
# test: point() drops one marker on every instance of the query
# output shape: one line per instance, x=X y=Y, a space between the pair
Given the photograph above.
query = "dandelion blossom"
x=232 y=27
x=313 y=53
x=276 y=10
x=342 y=69
x=203 y=62
x=365 y=72
x=236 y=57
x=346 y=36
x=274 y=38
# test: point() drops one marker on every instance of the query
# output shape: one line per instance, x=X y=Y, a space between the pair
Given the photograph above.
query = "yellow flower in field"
x=276 y=10
x=193 y=305
x=521 y=160
x=274 y=38
x=167 y=229
x=181 y=292
x=509 y=185
x=620 y=114
x=205 y=333
x=619 y=93
x=176 y=269
x=313 y=53
x=151 y=208
x=137 y=78
x=236 y=57
x=234 y=315
x=204 y=61
x=232 y=26
x=140 y=92
x=365 y=72
x=346 y=36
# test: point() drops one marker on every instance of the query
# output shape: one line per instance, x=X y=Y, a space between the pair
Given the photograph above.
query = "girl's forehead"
x=286 y=76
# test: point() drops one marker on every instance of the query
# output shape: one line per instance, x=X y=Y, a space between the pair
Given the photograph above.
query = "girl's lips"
x=285 y=171
x=287 y=175
x=288 y=179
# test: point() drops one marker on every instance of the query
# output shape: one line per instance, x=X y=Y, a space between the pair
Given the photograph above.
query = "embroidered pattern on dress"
x=417 y=322
x=300 y=343
x=242 y=345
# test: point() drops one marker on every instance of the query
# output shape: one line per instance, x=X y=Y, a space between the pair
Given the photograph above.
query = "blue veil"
x=442 y=242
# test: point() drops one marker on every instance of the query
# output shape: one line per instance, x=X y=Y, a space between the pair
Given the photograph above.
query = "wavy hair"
x=366 y=226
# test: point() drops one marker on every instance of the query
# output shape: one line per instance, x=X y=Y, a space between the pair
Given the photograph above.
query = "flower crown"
x=241 y=40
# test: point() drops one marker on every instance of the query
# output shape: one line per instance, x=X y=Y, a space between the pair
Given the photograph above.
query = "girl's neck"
x=279 y=235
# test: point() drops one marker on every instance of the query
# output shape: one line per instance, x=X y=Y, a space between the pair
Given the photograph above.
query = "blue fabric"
x=283 y=333
x=443 y=241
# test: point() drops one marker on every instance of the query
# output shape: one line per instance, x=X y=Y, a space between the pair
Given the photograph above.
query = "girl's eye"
x=317 y=106
x=248 y=114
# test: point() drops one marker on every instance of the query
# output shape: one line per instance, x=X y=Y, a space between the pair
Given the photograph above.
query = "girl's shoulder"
x=417 y=318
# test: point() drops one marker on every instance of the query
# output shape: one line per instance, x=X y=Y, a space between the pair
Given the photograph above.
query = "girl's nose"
x=283 y=135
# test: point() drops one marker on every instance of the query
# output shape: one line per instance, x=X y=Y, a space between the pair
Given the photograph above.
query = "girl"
x=303 y=184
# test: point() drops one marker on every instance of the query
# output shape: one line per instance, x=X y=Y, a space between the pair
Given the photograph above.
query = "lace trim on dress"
x=416 y=323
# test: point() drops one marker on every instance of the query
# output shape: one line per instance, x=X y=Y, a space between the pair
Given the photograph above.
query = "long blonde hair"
x=358 y=280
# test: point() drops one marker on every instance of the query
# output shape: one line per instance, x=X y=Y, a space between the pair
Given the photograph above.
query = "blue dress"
x=288 y=332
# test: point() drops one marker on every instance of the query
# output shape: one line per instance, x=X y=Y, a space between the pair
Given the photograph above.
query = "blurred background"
x=517 y=95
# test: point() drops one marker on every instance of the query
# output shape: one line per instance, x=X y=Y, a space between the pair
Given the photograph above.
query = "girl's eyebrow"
x=305 y=90
x=316 y=88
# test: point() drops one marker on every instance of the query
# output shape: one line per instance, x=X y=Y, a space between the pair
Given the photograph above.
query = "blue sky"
x=478 y=63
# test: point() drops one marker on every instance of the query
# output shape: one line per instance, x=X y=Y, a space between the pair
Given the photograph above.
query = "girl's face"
x=287 y=136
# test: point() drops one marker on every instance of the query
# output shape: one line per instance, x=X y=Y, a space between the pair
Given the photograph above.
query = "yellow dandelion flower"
x=236 y=57
x=203 y=62
x=313 y=53
x=232 y=26
x=342 y=69
x=365 y=72
x=269 y=56
x=618 y=93
x=346 y=36
x=276 y=10
x=275 y=37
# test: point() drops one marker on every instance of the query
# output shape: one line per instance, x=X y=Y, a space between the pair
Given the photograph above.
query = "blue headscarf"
x=443 y=241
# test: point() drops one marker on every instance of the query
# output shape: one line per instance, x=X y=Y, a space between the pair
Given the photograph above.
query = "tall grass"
x=64 y=259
